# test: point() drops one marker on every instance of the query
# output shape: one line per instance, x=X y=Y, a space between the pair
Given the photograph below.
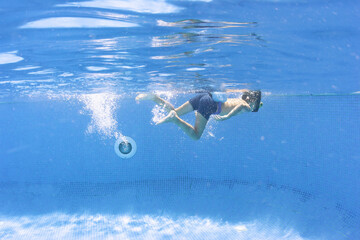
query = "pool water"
x=69 y=75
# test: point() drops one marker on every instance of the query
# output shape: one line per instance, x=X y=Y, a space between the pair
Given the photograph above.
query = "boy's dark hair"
x=253 y=97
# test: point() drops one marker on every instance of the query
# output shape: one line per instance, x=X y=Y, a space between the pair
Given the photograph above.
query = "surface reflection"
x=209 y=38
x=141 y=6
x=98 y=58
x=77 y=22
x=10 y=57
x=185 y=54
x=209 y=35
x=195 y=23
x=109 y=44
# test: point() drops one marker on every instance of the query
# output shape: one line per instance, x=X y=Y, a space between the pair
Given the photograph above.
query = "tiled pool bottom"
x=179 y=208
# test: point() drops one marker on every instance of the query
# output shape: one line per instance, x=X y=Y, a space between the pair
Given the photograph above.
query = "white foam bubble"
x=142 y=6
x=10 y=57
x=159 y=112
x=77 y=22
x=102 y=107
x=85 y=226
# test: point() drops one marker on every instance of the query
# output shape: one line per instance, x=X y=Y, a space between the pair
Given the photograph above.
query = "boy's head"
x=253 y=98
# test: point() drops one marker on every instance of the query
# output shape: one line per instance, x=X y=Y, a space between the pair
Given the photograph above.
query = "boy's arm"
x=238 y=109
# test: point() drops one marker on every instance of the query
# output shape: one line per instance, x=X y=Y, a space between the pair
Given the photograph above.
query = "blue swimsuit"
x=205 y=105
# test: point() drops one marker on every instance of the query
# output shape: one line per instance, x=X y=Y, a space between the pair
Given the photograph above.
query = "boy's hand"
x=220 y=118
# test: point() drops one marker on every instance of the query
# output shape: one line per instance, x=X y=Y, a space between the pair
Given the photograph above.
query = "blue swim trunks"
x=205 y=105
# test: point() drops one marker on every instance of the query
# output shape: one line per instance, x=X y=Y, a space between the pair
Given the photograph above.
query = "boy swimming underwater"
x=205 y=105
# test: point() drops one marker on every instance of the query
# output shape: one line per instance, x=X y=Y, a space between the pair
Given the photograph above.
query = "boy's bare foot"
x=144 y=96
x=169 y=118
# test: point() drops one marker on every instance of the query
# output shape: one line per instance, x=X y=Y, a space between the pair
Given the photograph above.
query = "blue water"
x=69 y=73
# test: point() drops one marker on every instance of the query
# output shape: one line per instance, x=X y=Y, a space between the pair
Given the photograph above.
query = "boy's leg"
x=159 y=101
x=194 y=132
x=183 y=109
